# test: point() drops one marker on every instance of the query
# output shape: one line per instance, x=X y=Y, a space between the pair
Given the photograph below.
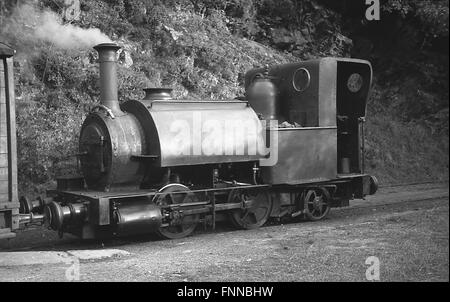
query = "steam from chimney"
x=35 y=24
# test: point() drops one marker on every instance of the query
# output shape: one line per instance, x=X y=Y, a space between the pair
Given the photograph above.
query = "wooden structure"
x=9 y=204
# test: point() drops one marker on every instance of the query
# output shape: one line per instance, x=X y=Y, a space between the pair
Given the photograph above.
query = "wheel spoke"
x=255 y=219
x=245 y=215
x=259 y=212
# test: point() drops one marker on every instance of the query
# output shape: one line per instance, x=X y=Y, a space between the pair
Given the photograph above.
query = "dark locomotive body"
x=296 y=149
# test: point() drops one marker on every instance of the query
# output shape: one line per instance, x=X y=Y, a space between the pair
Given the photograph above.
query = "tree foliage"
x=202 y=47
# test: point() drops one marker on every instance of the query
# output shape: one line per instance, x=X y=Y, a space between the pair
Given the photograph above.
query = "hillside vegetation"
x=201 y=48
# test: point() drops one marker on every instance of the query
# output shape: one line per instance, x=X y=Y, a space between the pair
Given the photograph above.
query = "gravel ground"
x=405 y=227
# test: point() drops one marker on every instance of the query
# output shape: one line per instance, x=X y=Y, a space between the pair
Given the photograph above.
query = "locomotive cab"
x=323 y=104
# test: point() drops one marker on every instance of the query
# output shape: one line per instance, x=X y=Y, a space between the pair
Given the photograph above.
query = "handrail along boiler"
x=133 y=182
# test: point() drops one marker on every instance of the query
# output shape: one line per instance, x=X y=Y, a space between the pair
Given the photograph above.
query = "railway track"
x=398 y=202
x=413 y=184
x=397 y=194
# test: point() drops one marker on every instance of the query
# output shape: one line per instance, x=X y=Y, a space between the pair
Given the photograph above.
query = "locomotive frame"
x=132 y=184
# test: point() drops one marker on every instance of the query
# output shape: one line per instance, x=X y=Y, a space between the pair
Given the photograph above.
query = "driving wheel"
x=254 y=216
x=184 y=225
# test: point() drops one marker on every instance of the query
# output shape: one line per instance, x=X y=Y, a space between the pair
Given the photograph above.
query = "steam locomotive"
x=292 y=147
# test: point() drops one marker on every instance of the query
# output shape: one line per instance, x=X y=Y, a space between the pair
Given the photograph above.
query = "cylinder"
x=107 y=58
x=137 y=217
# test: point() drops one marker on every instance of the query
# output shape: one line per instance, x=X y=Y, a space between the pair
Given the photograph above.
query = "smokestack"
x=108 y=75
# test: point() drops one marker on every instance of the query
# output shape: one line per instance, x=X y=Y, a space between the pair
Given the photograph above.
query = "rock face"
x=173 y=33
x=288 y=40
x=125 y=58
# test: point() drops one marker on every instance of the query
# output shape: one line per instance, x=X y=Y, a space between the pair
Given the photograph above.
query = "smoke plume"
x=34 y=24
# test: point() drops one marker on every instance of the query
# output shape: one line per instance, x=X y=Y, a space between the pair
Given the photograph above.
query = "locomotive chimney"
x=108 y=75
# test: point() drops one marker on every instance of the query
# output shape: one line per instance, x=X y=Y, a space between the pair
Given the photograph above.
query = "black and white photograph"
x=224 y=148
